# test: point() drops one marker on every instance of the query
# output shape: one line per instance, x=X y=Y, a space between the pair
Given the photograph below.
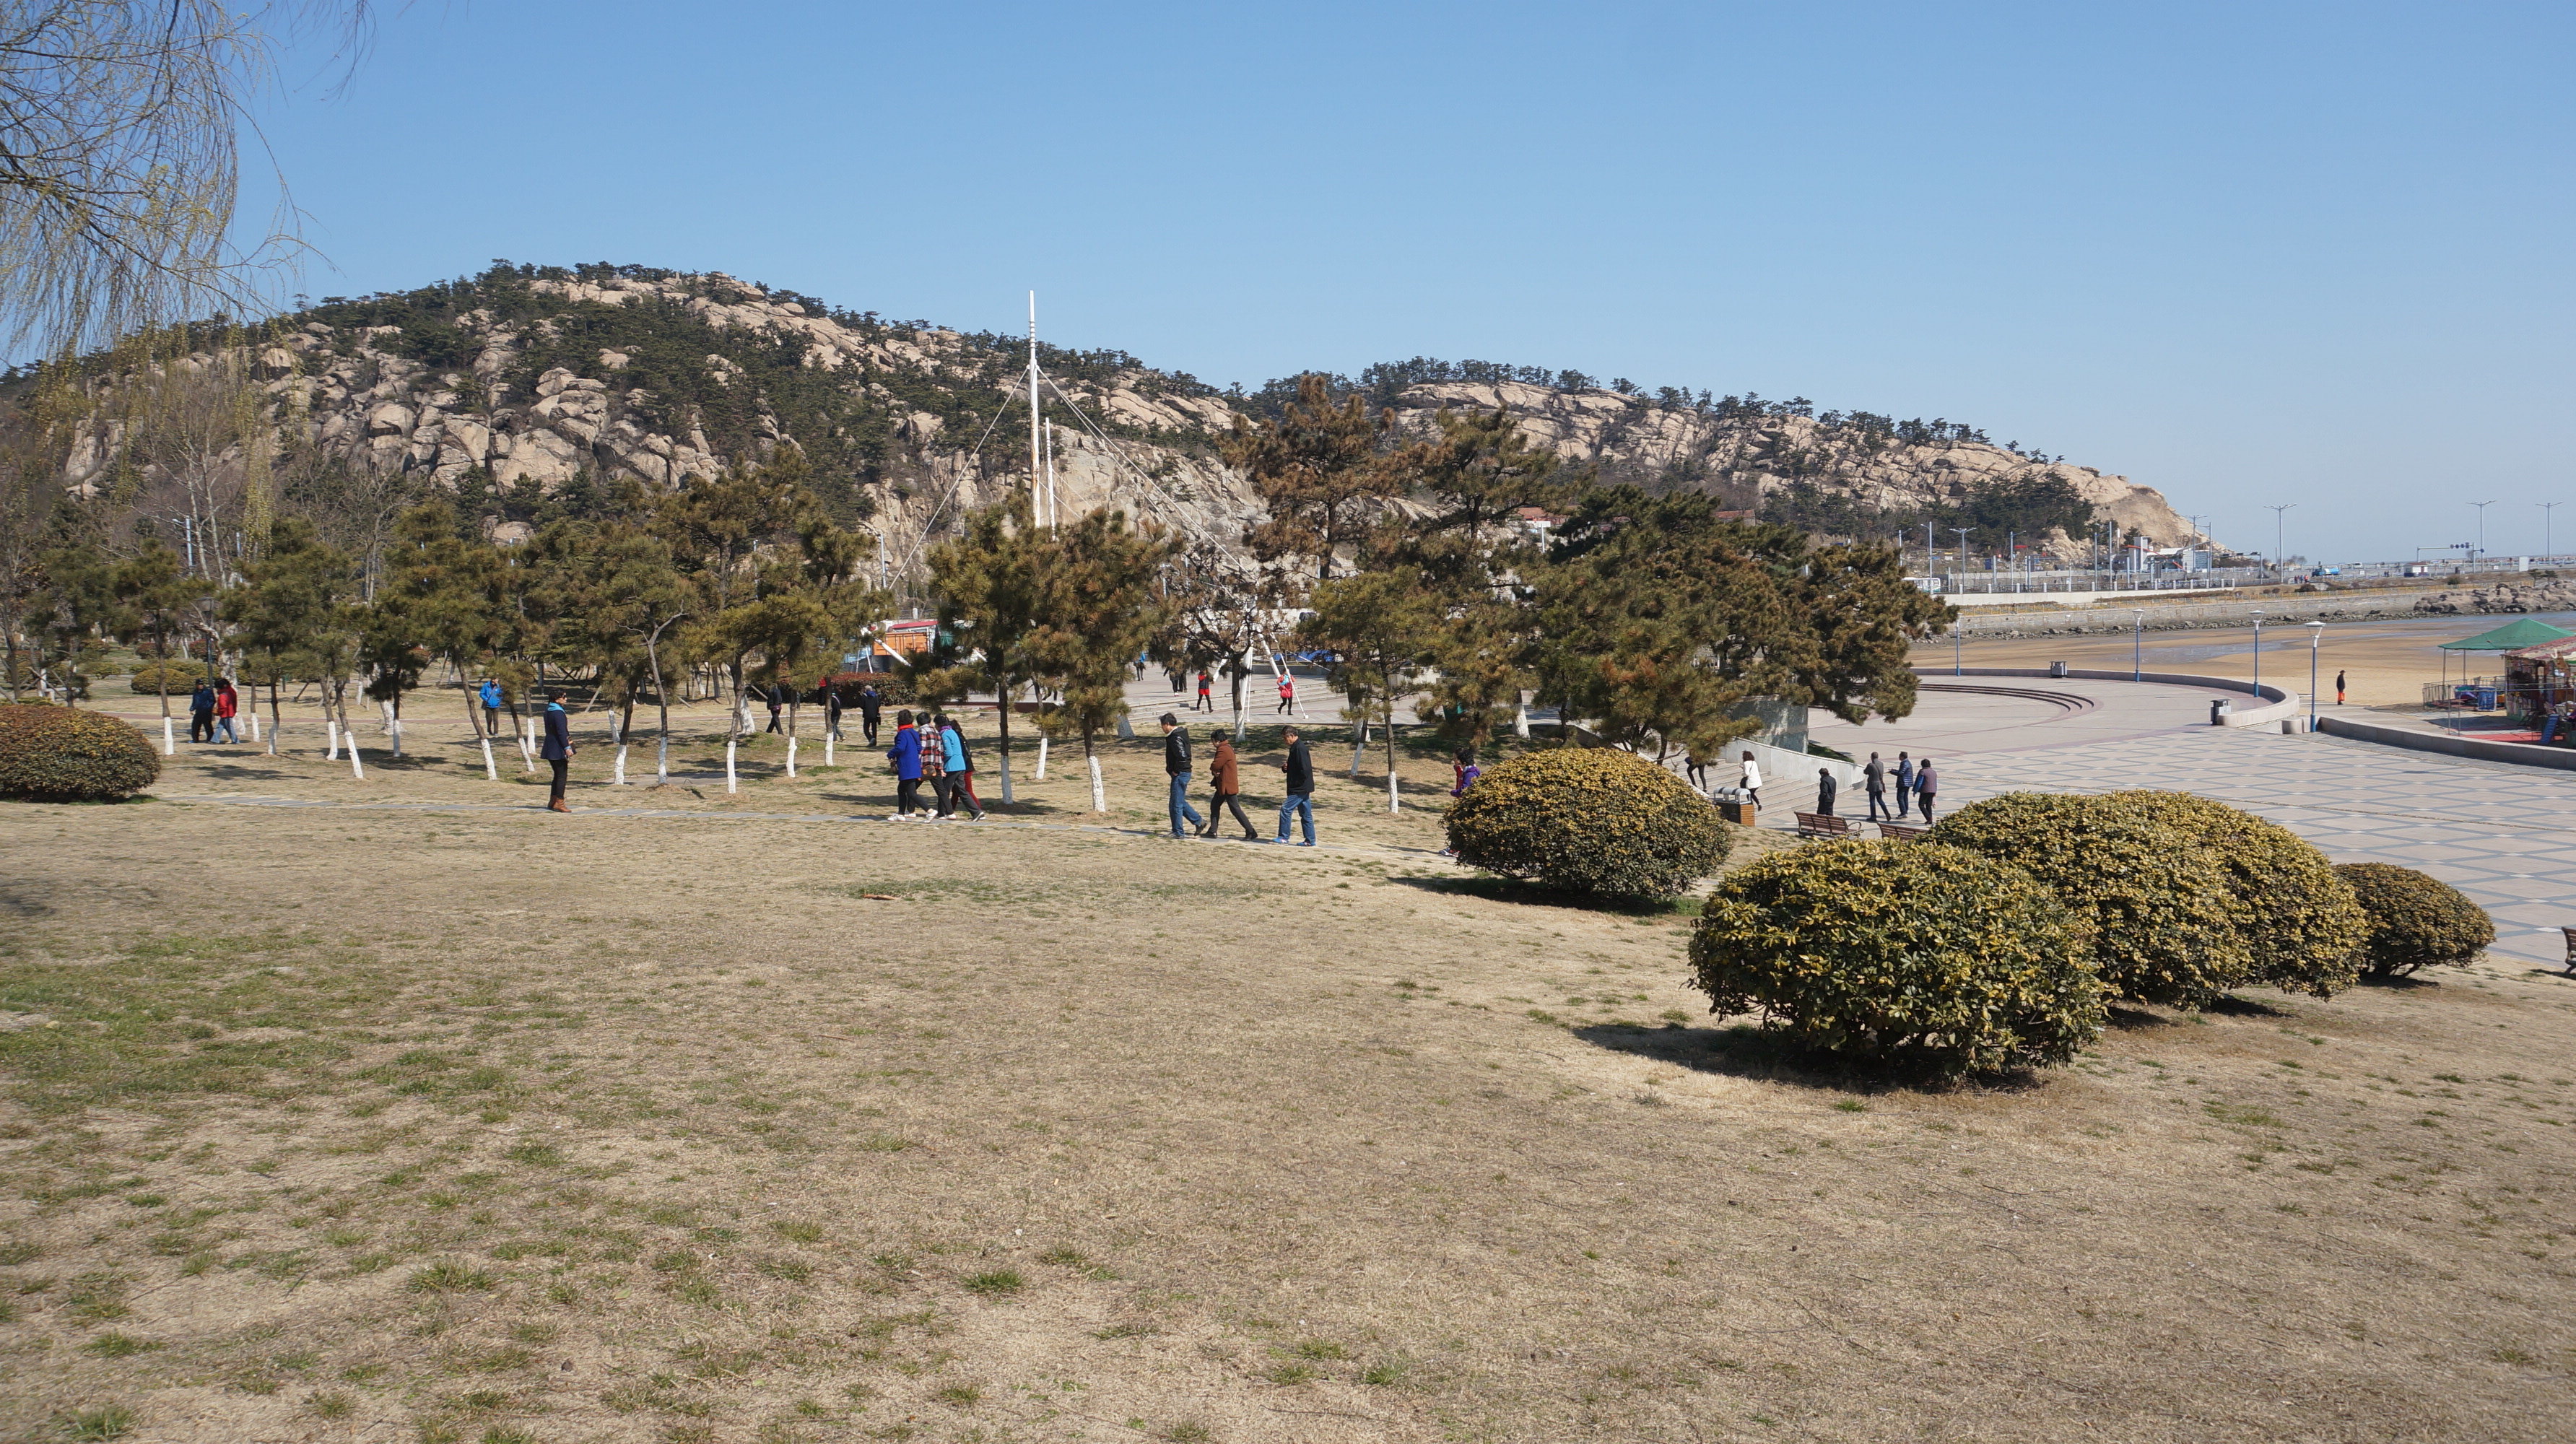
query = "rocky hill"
x=546 y=378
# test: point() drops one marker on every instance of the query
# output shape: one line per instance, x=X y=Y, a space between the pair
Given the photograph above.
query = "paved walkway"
x=2505 y=835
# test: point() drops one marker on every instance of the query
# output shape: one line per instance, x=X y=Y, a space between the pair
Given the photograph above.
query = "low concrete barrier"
x=2278 y=704
x=2485 y=749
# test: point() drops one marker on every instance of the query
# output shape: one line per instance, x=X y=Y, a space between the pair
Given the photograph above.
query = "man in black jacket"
x=1873 y=779
x=1825 y=789
x=558 y=748
x=1176 y=767
x=871 y=701
x=1300 y=768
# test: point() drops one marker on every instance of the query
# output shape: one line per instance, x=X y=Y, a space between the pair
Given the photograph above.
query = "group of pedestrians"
x=1225 y=791
x=1916 y=783
x=941 y=758
x=211 y=710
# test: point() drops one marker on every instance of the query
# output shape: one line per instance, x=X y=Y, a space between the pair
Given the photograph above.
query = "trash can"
x=1739 y=813
x=2218 y=709
x=2057 y=669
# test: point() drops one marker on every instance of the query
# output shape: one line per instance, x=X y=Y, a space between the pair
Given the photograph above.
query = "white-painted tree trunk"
x=528 y=745
x=729 y=777
x=1099 y=794
x=331 y=726
x=357 y=769
x=254 y=712
x=169 y=739
x=393 y=729
x=490 y=772
x=621 y=764
x=1520 y=719
x=1393 y=804
x=791 y=756
x=661 y=761
x=1042 y=747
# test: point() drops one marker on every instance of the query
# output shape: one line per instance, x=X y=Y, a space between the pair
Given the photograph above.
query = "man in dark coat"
x=1927 y=785
x=1904 y=784
x=832 y=710
x=1825 y=789
x=558 y=749
x=1300 y=768
x=777 y=694
x=201 y=712
x=1176 y=767
x=870 y=703
x=1873 y=780
x=1228 y=790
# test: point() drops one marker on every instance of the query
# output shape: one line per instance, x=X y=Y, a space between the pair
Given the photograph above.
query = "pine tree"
x=1317 y=470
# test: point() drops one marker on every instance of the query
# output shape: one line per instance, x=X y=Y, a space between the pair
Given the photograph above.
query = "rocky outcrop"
x=517 y=386
x=2552 y=596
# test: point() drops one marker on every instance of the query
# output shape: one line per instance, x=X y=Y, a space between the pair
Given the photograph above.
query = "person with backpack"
x=1873 y=780
x=905 y=754
x=1904 y=784
x=201 y=712
x=1287 y=692
x=227 y=706
x=1176 y=767
x=870 y=703
x=1300 y=767
x=558 y=750
x=1926 y=784
x=491 y=695
x=960 y=765
x=1225 y=790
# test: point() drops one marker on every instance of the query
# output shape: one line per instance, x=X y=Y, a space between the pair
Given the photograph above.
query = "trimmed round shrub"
x=1588 y=819
x=63 y=754
x=2416 y=921
x=184 y=677
x=1913 y=956
x=2300 y=920
x=2166 y=927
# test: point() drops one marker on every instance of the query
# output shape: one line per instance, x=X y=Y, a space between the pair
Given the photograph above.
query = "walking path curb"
x=2521 y=754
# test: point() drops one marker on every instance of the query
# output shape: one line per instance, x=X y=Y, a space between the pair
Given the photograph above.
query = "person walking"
x=1904 y=784
x=2338 y=686
x=558 y=750
x=1300 y=767
x=1752 y=783
x=201 y=712
x=227 y=707
x=491 y=694
x=905 y=754
x=776 y=692
x=961 y=767
x=1206 y=700
x=832 y=709
x=1926 y=784
x=1463 y=771
x=1225 y=789
x=934 y=766
x=870 y=703
x=1825 y=790
x=1873 y=781
x=1287 y=692
x=1176 y=767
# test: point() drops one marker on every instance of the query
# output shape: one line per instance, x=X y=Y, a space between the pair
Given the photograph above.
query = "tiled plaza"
x=2504 y=835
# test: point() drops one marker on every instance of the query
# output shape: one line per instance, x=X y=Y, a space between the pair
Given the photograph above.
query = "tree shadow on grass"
x=2232 y=1006
x=1743 y=1050
x=2132 y=1020
x=1512 y=890
x=2396 y=982
x=237 y=772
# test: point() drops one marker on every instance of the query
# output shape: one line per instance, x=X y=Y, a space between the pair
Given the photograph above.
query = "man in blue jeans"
x=1176 y=766
x=1300 y=768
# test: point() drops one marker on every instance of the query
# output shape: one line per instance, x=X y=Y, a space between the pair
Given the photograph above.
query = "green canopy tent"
x=2518 y=633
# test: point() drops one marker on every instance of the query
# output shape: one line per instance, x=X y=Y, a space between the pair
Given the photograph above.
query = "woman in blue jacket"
x=905 y=754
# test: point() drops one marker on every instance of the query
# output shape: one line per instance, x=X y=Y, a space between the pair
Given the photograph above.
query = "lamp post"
x=2482 y=528
x=2316 y=634
x=2548 y=514
x=2138 y=649
x=2280 y=548
x=2258 y=658
x=1963 y=549
x=1954 y=651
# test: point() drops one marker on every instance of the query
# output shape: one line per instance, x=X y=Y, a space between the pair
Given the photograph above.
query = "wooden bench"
x=1817 y=824
x=1900 y=831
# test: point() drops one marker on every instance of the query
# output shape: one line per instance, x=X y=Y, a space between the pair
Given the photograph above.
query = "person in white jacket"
x=1752 y=780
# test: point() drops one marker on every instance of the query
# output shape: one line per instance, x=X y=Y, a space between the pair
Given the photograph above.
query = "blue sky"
x=2247 y=253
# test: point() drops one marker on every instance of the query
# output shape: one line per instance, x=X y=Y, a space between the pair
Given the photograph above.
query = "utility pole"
x=2548 y=514
x=1036 y=462
x=1963 y=550
x=2138 y=649
x=2280 y=550
x=2482 y=528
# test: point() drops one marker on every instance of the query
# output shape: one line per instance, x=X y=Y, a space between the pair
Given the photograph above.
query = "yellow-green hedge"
x=1914 y=956
x=184 y=677
x=2165 y=919
x=1588 y=819
x=63 y=754
x=2301 y=921
x=2416 y=921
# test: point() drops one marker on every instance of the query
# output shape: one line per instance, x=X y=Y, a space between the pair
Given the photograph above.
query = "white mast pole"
x=1050 y=473
x=1036 y=461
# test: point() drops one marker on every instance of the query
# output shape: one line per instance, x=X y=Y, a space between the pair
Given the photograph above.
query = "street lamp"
x=2280 y=549
x=1954 y=651
x=2258 y=658
x=2316 y=634
x=2482 y=528
x=2138 y=651
x=2548 y=514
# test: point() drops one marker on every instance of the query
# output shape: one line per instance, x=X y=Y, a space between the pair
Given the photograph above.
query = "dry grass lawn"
x=477 y=1124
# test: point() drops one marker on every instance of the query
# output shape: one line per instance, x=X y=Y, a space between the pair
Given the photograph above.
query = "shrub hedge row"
x=63 y=754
